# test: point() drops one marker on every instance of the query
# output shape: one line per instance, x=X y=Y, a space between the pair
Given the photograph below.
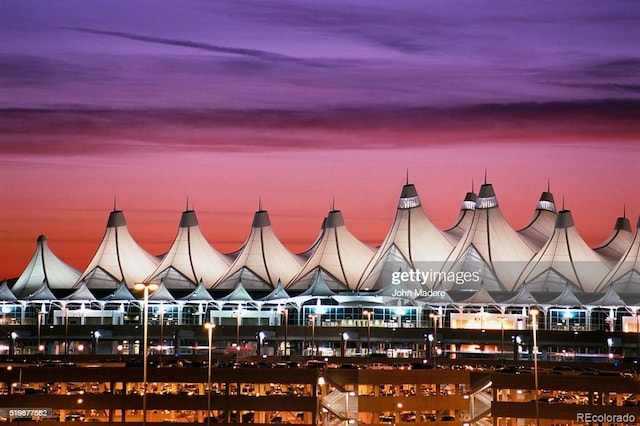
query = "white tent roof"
x=413 y=242
x=480 y=297
x=542 y=224
x=122 y=293
x=564 y=260
x=191 y=259
x=239 y=294
x=278 y=294
x=614 y=247
x=610 y=299
x=81 y=294
x=161 y=294
x=318 y=289
x=118 y=258
x=463 y=221
x=339 y=254
x=5 y=293
x=566 y=298
x=45 y=266
x=308 y=252
x=261 y=261
x=42 y=293
x=490 y=249
x=625 y=275
x=200 y=294
x=523 y=297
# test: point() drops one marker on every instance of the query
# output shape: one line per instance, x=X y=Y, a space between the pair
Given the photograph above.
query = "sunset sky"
x=297 y=103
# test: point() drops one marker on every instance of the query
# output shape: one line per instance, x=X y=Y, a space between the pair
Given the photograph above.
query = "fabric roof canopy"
x=339 y=254
x=542 y=224
x=44 y=266
x=190 y=259
x=464 y=219
x=618 y=242
x=262 y=261
x=413 y=242
x=118 y=258
x=489 y=248
x=566 y=260
x=625 y=275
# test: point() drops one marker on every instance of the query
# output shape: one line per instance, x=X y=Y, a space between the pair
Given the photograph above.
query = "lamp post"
x=66 y=331
x=209 y=327
x=345 y=341
x=14 y=336
x=161 y=313
x=39 y=348
x=285 y=311
x=434 y=348
x=534 y=321
x=312 y=318
x=368 y=315
x=502 y=318
x=145 y=287
x=96 y=334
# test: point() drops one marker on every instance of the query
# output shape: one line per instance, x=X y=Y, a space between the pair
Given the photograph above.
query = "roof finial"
x=407 y=176
x=485 y=176
x=260 y=203
x=333 y=203
x=562 y=201
x=548 y=184
x=114 y=203
x=473 y=186
x=187 y=205
x=624 y=210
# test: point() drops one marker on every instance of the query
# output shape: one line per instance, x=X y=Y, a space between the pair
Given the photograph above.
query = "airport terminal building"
x=478 y=290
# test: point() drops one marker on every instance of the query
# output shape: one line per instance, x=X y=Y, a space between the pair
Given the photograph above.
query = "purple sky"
x=298 y=102
x=309 y=55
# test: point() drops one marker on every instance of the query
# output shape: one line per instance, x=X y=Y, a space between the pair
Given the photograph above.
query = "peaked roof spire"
x=485 y=176
x=473 y=186
x=115 y=203
x=260 y=203
x=548 y=184
x=543 y=222
x=261 y=261
x=187 y=205
x=333 y=203
x=564 y=261
x=407 y=181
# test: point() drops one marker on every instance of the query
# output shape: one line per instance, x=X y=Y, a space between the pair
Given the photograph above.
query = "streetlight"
x=40 y=347
x=368 y=315
x=261 y=337
x=434 y=348
x=161 y=312
x=345 y=340
x=145 y=287
x=312 y=318
x=502 y=318
x=285 y=311
x=534 y=314
x=209 y=326
x=14 y=336
x=96 y=334
x=238 y=315
x=66 y=331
